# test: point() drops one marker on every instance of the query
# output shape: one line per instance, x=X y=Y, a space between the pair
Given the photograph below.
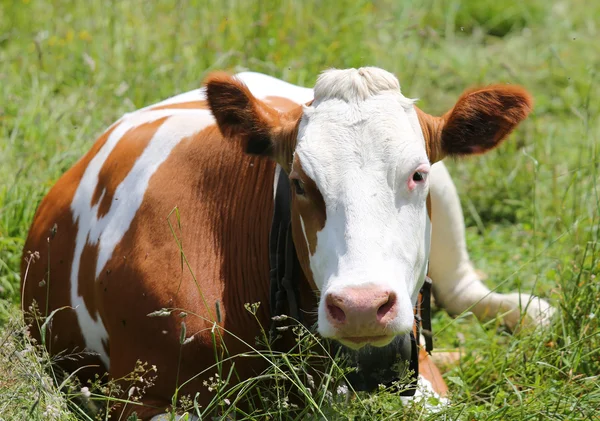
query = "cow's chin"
x=358 y=342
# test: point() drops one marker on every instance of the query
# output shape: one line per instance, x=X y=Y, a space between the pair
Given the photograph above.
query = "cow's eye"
x=419 y=176
x=298 y=186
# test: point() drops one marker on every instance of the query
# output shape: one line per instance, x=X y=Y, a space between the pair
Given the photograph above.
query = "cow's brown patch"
x=431 y=127
x=120 y=162
x=429 y=370
x=428 y=202
x=310 y=206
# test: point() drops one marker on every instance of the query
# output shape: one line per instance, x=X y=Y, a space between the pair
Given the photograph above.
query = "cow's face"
x=359 y=175
x=358 y=159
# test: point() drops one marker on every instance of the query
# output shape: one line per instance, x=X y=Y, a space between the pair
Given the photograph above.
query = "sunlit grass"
x=68 y=69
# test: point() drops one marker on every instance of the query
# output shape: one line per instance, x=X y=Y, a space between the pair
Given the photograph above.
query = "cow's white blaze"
x=360 y=141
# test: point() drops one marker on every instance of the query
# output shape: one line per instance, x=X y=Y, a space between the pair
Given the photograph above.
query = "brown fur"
x=479 y=121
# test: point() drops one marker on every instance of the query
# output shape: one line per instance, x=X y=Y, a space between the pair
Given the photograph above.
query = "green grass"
x=68 y=69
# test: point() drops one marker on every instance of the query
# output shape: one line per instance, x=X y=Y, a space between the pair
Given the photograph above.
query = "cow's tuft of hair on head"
x=354 y=85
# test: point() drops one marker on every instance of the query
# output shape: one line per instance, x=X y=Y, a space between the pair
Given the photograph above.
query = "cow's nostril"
x=336 y=313
x=387 y=307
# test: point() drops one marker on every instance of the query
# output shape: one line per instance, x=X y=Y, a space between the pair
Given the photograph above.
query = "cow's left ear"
x=480 y=121
x=261 y=128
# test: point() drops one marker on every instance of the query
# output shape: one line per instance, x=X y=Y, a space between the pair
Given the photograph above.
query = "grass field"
x=68 y=69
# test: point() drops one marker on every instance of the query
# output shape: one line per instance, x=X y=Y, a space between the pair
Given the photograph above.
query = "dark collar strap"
x=425 y=316
x=282 y=255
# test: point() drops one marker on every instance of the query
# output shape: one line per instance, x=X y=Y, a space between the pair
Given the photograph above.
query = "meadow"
x=68 y=69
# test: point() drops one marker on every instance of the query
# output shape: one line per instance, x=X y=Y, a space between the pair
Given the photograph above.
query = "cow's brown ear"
x=480 y=121
x=240 y=115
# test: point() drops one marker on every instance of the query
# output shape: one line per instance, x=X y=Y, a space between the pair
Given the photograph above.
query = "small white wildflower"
x=227 y=401
x=311 y=381
x=51 y=412
x=85 y=391
x=591 y=315
x=342 y=389
x=131 y=391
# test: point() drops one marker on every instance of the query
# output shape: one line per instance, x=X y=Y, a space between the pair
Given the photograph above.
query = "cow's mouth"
x=357 y=342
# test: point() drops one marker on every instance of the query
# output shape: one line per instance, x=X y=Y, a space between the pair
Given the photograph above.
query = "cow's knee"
x=534 y=309
x=470 y=294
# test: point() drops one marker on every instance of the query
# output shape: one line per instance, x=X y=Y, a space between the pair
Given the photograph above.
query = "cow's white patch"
x=263 y=86
x=360 y=141
x=276 y=180
x=107 y=231
x=432 y=402
x=304 y=233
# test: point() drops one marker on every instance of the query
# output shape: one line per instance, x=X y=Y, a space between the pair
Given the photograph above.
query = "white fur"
x=425 y=392
x=359 y=145
x=275 y=180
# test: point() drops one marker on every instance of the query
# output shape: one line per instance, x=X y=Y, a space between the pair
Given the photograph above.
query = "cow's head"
x=358 y=159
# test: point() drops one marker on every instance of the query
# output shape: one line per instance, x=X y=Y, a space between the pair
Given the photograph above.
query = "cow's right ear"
x=240 y=115
x=261 y=129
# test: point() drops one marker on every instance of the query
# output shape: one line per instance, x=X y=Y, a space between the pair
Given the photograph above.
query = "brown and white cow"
x=360 y=159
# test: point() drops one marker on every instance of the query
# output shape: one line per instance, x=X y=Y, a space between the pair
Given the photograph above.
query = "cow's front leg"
x=456 y=285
